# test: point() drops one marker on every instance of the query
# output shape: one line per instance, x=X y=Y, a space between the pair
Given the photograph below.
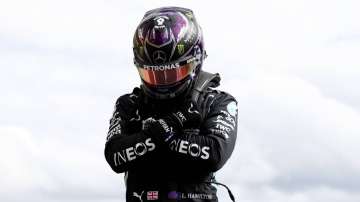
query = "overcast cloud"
x=293 y=65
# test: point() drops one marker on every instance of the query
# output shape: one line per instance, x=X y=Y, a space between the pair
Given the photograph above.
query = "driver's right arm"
x=126 y=145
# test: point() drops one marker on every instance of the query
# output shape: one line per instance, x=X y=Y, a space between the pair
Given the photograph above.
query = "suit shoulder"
x=216 y=100
x=128 y=96
x=221 y=96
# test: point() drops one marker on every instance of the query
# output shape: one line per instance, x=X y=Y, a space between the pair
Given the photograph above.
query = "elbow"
x=218 y=158
x=216 y=164
x=118 y=169
x=113 y=164
x=220 y=154
x=112 y=160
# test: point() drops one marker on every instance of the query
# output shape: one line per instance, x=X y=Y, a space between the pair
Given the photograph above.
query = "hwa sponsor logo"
x=131 y=153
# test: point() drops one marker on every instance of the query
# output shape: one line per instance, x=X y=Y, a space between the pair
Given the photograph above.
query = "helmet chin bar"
x=168 y=93
x=181 y=88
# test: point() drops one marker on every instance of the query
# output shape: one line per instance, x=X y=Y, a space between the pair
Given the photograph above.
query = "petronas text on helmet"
x=161 y=67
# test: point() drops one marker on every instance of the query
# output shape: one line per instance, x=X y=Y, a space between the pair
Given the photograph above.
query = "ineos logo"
x=159 y=57
x=188 y=148
x=133 y=152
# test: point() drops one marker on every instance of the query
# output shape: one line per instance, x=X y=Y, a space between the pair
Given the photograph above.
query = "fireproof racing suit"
x=182 y=169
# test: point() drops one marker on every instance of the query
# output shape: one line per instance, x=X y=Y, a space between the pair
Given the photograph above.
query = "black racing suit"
x=180 y=170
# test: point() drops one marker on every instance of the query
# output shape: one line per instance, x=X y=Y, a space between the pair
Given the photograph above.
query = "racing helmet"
x=168 y=51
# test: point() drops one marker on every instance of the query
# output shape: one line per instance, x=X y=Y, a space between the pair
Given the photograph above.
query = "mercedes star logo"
x=159 y=57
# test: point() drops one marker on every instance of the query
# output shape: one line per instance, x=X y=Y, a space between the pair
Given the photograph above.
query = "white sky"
x=293 y=65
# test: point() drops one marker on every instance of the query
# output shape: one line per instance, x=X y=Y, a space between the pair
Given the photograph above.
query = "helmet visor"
x=165 y=74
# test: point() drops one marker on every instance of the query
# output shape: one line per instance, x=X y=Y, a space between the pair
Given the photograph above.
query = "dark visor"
x=166 y=74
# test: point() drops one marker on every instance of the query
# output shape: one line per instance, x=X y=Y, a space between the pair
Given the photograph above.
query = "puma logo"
x=138 y=196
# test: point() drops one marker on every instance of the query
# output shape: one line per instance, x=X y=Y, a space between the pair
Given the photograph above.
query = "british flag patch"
x=152 y=195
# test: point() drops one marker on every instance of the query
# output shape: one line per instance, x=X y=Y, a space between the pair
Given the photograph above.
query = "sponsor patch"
x=114 y=131
x=232 y=108
x=218 y=131
x=131 y=153
x=115 y=127
x=188 y=148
